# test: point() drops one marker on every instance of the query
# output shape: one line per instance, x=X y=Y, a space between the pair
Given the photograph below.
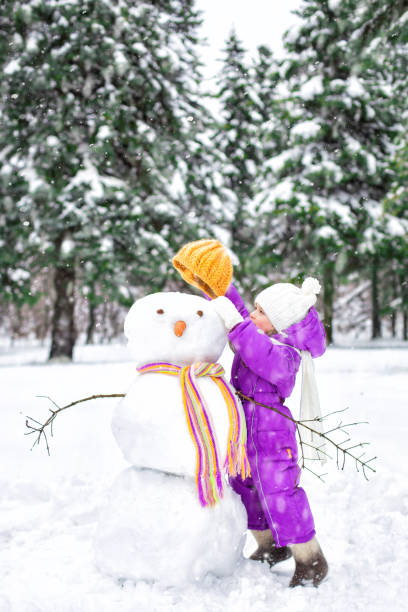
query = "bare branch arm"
x=339 y=446
x=40 y=431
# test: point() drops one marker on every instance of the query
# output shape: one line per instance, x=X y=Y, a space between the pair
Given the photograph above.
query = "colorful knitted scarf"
x=209 y=474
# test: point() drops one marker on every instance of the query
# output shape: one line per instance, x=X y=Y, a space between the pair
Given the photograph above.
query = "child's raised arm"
x=273 y=362
x=233 y=295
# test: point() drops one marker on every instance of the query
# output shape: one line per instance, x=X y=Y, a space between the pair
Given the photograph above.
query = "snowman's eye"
x=200 y=313
x=160 y=311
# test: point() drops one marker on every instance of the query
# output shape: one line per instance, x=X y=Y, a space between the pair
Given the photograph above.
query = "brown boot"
x=267 y=549
x=311 y=565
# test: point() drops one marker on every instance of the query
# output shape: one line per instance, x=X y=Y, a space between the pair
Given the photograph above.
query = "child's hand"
x=227 y=312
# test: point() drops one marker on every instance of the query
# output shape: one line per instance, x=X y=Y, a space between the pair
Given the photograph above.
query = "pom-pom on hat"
x=207 y=259
x=285 y=304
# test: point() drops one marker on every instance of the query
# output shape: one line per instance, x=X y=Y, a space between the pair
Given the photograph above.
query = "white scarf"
x=310 y=409
x=309 y=406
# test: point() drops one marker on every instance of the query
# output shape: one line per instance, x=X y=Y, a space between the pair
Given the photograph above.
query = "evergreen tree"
x=393 y=239
x=15 y=257
x=198 y=188
x=269 y=257
x=388 y=235
x=265 y=81
x=237 y=140
x=99 y=103
x=329 y=183
x=380 y=19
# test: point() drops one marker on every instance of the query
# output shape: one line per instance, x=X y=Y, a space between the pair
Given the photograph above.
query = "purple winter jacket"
x=266 y=372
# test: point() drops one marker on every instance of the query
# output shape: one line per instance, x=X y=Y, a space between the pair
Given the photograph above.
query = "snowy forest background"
x=114 y=154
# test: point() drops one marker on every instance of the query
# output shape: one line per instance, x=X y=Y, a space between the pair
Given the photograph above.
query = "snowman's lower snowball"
x=154 y=528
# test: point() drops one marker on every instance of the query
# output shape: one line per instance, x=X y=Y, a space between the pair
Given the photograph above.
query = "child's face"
x=260 y=319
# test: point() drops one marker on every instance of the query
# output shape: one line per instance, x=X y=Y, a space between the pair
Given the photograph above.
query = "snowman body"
x=153 y=526
x=151 y=428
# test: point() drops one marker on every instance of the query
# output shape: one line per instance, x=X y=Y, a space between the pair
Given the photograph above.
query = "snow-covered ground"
x=49 y=505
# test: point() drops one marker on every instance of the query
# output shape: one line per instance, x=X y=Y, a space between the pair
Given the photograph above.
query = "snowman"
x=172 y=516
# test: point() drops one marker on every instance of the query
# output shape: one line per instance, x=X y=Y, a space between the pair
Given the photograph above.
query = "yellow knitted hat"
x=207 y=259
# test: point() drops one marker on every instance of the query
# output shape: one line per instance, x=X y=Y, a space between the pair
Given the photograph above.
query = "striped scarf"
x=209 y=474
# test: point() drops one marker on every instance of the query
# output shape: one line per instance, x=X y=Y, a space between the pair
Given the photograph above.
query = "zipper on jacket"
x=276 y=536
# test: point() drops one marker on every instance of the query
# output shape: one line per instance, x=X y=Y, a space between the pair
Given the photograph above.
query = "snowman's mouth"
x=179 y=328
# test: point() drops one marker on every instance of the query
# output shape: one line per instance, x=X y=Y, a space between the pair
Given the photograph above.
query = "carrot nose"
x=179 y=328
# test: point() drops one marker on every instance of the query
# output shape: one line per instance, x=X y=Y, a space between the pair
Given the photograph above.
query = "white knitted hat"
x=285 y=304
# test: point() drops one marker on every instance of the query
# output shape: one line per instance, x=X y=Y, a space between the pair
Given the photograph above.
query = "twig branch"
x=302 y=454
x=341 y=426
x=40 y=431
x=319 y=476
x=342 y=452
x=319 y=449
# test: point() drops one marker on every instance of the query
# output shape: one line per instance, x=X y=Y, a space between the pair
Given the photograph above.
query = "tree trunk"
x=328 y=299
x=375 y=310
x=63 y=327
x=404 y=306
x=15 y=324
x=394 y=310
x=104 y=319
x=91 y=323
x=393 y=324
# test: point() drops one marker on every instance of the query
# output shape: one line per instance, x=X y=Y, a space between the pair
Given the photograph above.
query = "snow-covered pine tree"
x=387 y=239
x=98 y=101
x=197 y=187
x=266 y=78
x=325 y=189
x=237 y=139
x=268 y=258
x=15 y=258
x=392 y=238
x=378 y=18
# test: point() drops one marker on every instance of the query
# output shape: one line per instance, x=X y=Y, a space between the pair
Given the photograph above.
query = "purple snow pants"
x=272 y=497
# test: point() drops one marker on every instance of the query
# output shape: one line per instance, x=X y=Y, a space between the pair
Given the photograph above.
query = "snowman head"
x=175 y=327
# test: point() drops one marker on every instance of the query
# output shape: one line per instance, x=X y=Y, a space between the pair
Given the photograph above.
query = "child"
x=267 y=345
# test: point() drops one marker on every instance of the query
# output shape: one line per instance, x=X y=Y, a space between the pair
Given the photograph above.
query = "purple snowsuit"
x=266 y=372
